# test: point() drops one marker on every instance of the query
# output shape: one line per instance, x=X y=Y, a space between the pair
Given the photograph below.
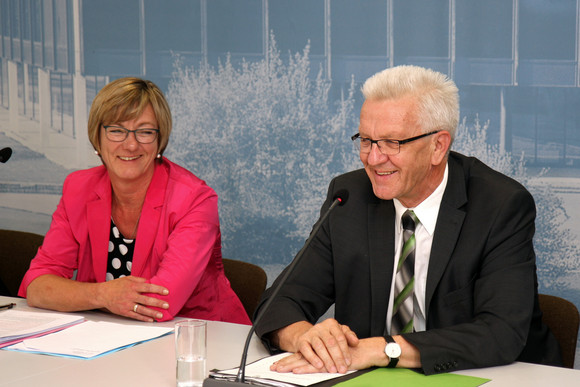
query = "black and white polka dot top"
x=120 y=257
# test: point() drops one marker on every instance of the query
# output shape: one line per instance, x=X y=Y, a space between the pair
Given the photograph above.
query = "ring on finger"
x=135 y=308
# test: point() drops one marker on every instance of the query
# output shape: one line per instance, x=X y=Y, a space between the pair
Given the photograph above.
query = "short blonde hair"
x=126 y=99
x=437 y=96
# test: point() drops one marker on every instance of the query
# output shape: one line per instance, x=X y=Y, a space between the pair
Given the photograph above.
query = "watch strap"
x=392 y=360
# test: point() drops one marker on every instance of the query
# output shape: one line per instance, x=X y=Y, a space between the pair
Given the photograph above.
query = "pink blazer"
x=178 y=243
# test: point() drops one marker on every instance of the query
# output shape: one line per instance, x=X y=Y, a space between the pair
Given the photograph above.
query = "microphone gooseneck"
x=339 y=199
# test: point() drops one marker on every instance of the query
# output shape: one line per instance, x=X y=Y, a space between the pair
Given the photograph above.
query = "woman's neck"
x=130 y=194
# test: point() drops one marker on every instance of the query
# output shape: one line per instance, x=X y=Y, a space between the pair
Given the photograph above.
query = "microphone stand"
x=241 y=377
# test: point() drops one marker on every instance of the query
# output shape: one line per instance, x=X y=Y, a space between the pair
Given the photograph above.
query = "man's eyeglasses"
x=386 y=146
x=119 y=134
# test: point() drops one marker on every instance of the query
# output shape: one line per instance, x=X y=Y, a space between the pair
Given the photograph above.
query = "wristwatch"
x=393 y=351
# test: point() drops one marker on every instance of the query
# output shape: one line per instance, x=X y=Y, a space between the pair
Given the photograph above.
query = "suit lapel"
x=98 y=225
x=149 y=221
x=449 y=222
x=381 y=254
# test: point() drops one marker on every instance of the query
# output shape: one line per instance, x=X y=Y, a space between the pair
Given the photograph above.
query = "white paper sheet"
x=17 y=324
x=91 y=339
x=260 y=370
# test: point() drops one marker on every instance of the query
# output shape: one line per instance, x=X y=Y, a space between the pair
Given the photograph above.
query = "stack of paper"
x=17 y=325
x=91 y=339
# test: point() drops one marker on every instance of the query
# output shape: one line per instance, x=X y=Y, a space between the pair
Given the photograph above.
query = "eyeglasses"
x=386 y=146
x=119 y=134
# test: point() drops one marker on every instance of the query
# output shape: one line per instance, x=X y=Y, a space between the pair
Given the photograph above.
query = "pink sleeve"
x=190 y=246
x=59 y=252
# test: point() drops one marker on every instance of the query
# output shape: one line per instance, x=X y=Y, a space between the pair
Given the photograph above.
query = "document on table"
x=16 y=325
x=259 y=371
x=91 y=339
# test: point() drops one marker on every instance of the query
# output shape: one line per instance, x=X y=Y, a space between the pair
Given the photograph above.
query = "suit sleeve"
x=486 y=322
x=308 y=291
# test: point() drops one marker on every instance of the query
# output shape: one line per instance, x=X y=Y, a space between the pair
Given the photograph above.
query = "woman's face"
x=129 y=160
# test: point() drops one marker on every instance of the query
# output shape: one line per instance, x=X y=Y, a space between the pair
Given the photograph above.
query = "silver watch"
x=393 y=351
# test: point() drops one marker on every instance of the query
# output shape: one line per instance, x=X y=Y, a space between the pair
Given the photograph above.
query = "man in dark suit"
x=473 y=294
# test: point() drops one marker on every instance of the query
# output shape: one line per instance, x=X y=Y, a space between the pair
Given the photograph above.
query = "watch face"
x=393 y=350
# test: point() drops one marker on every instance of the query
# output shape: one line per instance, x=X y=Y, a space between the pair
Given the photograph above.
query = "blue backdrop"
x=265 y=94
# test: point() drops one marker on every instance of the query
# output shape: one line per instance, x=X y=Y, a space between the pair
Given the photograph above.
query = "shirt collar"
x=428 y=209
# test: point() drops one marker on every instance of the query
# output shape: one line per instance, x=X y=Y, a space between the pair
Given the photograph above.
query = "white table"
x=148 y=364
x=153 y=363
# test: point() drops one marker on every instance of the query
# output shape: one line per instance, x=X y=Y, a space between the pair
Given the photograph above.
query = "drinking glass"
x=191 y=352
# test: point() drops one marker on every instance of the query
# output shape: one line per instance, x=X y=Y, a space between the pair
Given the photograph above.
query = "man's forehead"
x=387 y=116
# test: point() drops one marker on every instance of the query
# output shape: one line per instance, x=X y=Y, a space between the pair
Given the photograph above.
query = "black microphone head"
x=342 y=196
x=5 y=154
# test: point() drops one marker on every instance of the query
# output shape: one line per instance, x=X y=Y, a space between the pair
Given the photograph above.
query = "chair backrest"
x=562 y=317
x=247 y=280
x=17 y=248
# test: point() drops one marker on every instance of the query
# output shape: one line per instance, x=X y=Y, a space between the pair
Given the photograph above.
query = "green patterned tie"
x=402 y=320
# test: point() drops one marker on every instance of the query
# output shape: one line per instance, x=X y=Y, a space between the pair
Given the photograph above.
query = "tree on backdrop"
x=267 y=138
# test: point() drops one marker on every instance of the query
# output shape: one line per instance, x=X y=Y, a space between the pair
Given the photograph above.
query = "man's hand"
x=324 y=346
x=126 y=297
x=331 y=356
x=367 y=353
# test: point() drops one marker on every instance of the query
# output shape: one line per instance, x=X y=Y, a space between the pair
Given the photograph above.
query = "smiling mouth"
x=385 y=173
x=129 y=158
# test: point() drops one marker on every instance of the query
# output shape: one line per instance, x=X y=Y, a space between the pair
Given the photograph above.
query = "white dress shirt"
x=426 y=212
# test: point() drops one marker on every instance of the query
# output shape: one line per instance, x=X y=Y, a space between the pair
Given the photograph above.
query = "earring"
x=158 y=155
x=97 y=153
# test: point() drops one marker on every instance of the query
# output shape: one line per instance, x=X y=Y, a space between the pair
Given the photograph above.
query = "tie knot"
x=409 y=220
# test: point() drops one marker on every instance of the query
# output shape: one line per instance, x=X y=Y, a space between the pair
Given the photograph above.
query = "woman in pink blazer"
x=141 y=232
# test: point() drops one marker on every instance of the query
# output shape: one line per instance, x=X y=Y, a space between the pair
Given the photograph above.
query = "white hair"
x=437 y=96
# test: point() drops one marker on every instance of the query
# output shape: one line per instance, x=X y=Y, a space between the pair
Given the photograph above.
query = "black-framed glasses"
x=386 y=146
x=119 y=134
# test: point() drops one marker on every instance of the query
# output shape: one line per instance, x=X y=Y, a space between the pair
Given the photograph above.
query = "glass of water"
x=191 y=352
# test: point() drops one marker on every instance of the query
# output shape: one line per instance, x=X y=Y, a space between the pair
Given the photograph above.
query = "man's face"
x=407 y=175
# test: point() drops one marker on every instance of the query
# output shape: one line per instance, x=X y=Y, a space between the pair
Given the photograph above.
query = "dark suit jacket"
x=481 y=294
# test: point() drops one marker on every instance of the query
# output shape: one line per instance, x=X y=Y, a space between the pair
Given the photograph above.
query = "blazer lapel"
x=449 y=222
x=381 y=254
x=98 y=225
x=149 y=220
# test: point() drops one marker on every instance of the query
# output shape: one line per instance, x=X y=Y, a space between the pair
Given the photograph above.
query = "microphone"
x=339 y=199
x=5 y=154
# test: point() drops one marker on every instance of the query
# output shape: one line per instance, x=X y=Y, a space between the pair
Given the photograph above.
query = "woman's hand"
x=126 y=297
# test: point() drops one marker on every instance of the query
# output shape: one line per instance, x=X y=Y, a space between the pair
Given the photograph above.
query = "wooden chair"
x=247 y=280
x=562 y=317
x=17 y=248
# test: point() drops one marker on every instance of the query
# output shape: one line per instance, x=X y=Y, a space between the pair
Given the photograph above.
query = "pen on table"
x=7 y=306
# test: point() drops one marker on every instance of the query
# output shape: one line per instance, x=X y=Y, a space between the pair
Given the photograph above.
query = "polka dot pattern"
x=120 y=259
